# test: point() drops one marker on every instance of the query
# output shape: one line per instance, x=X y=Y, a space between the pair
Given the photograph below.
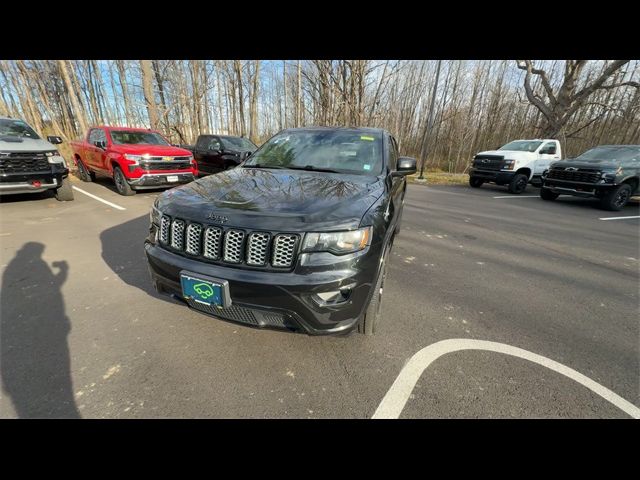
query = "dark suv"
x=215 y=153
x=297 y=237
x=609 y=172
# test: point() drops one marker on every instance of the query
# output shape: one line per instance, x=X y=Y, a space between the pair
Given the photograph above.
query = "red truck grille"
x=173 y=165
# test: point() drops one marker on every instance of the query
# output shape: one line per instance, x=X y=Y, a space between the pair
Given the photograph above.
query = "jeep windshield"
x=238 y=143
x=521 y=146
x=16 y=128
x=123 y=137
x=615 y=154
x=340 y=151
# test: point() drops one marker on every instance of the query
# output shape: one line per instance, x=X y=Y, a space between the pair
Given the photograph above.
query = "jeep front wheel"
x=371 y=318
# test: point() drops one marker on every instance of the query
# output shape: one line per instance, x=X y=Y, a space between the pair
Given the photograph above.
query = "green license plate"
x=205 y=290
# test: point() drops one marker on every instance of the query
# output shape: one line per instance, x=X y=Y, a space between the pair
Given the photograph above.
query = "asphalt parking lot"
x=84 y=335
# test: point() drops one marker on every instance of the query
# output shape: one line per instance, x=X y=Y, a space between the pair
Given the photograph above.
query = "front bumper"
x=32 y=182
x=497 y=176
x=577 y=189
x=155 y=180
x=280 y=300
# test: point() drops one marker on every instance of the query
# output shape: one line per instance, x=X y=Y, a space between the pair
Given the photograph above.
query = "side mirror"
x=406 y=166
x=54 y=139
x=244 y=156
x=100 y=144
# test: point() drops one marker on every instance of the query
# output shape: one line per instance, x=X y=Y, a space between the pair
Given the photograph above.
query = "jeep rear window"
x=521 y=146
x=352 y=152
x=16 y=128
x=123 y=137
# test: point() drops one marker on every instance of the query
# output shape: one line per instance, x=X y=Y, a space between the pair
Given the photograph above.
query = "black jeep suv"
x=610 y=173
x=297 y=237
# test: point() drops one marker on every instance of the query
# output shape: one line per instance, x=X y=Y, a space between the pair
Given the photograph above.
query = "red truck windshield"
x=123 y=137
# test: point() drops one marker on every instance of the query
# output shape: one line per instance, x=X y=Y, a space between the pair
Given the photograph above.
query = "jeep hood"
x=285 y=200
x=10 y=143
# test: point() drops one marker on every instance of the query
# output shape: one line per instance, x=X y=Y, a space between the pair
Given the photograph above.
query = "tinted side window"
x=214 y=144
x=203 y=142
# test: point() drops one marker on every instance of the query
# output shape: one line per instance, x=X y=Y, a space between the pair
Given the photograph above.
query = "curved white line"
x=396 y=398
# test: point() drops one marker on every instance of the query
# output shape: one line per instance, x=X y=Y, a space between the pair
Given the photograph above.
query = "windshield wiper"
x=314 y=169
x=257 y=165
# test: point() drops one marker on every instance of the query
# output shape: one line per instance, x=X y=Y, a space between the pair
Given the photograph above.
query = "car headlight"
x=508 y=164
x=135 y=158
x=55 y=157
x=155 y=215
x=338 y=243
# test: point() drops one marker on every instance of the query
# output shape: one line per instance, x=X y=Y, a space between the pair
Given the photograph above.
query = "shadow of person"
x=34 y=355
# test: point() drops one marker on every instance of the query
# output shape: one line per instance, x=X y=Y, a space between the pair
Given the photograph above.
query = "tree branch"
x=528 y=66
x=533 y=98
x=622 y=84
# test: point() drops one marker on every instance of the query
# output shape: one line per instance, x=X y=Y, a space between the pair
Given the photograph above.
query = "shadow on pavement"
x=123 y=252
x=34 y=354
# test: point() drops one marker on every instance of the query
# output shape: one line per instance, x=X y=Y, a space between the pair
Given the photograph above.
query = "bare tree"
x=563 y=102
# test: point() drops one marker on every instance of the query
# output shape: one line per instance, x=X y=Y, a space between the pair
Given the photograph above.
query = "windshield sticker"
x=366 y=166
x=364 y=137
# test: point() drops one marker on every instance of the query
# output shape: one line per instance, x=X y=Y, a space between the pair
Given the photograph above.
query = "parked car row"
x=135 y=158
x=294 y=235
x=610 y=173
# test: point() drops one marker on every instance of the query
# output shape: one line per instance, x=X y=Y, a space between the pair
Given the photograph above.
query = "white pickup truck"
x=515 y=164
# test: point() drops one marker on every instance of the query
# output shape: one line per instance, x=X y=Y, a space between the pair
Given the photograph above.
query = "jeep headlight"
x=55 y=157
x=338 y=243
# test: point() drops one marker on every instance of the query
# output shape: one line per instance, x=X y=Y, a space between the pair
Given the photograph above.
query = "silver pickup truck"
x=30 y=164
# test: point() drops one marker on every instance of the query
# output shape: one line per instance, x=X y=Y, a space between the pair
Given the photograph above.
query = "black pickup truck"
x=29 y=164
x=297 y=237
x=610 y=173
x=215 y=153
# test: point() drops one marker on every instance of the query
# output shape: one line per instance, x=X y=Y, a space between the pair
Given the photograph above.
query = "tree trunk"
x=149 y=97
x=78 y=113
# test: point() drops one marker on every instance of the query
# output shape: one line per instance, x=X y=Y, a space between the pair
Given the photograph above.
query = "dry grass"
x=439 y=177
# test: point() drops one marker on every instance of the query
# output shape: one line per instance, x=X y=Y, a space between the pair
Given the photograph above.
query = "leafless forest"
x=478 y=105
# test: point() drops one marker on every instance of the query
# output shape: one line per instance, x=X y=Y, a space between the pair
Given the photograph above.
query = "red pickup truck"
x=136 y=159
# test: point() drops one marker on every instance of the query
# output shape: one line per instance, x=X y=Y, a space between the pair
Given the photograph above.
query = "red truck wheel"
x=122 y=186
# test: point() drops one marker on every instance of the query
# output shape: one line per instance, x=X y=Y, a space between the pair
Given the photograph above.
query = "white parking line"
x=519 y=196
x=98 y=198
x=396 y=398
x=619 y=218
